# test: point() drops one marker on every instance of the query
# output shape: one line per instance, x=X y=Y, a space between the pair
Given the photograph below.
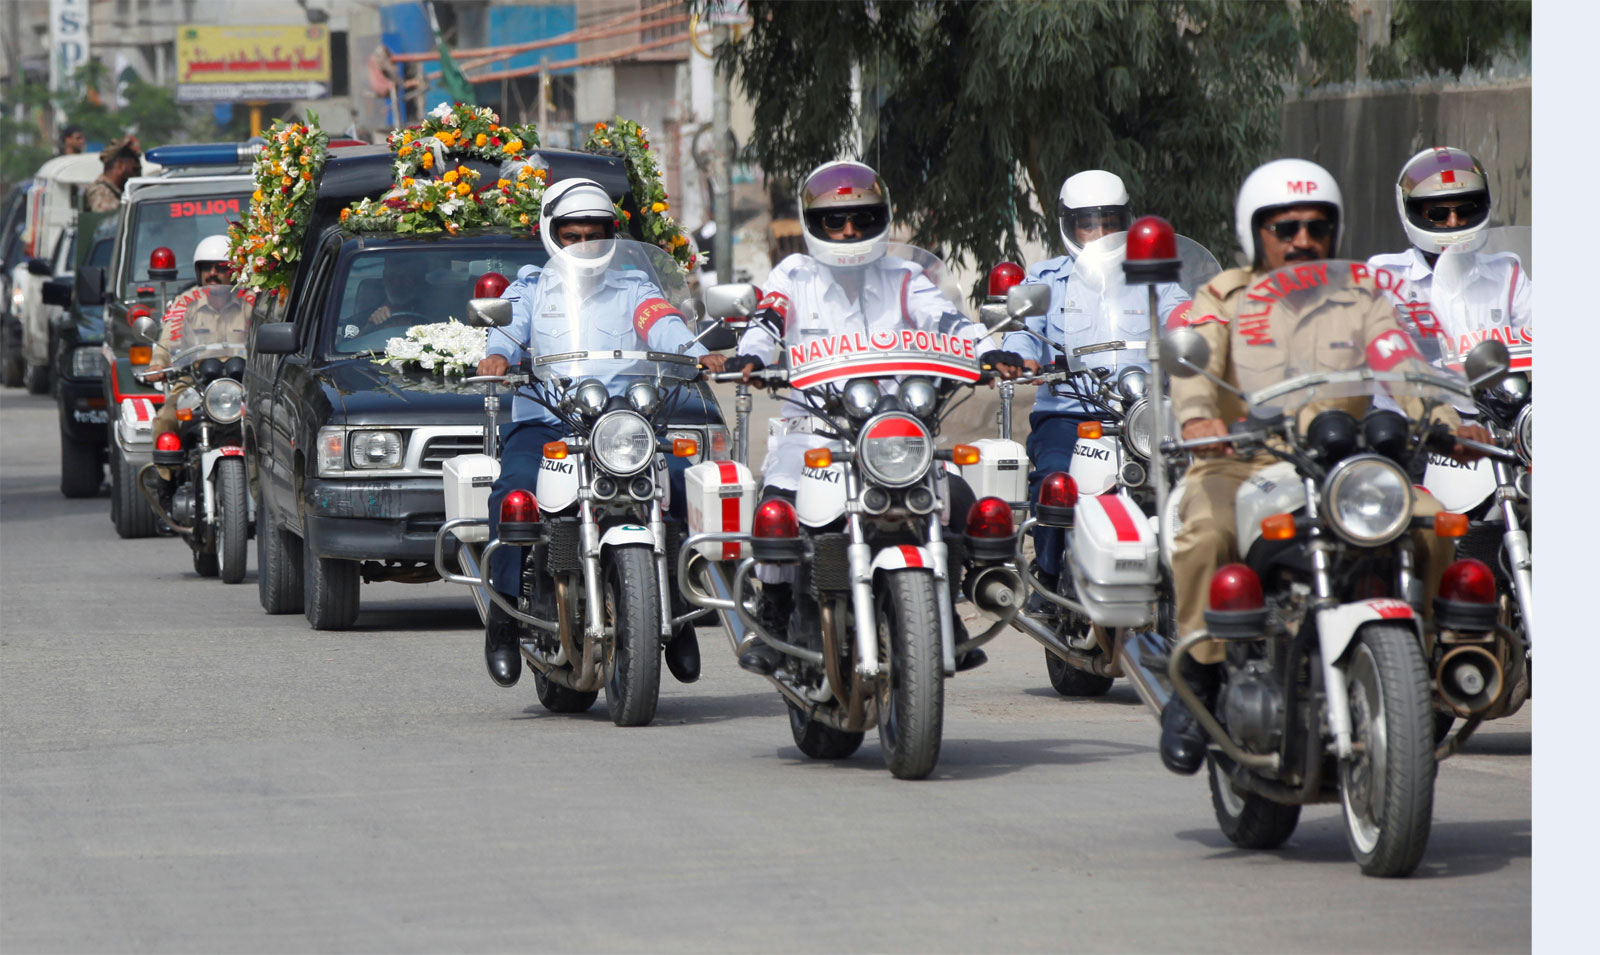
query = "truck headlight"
x=88 y=362
x=377 y=449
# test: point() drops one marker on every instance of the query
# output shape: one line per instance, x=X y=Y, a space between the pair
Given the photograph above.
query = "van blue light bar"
x=203 y=154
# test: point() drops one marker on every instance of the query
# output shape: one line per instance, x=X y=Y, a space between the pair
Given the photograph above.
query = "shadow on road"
x=1120 y=694
x=674 y=711
x=1455 y=849
x=965 y=758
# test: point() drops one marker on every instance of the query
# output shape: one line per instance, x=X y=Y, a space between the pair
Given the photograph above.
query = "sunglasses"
x=1287 y=229
x=862 y=219
x=214 y=267
x=1464 y=210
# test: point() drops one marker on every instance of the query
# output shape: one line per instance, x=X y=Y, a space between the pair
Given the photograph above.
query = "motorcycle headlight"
x=377 y=449
x=1522 y=431
x=88 y=362
x=591 y=397
x=895 y=449
x=918 y=396
x=1367 y=500
x=622 y=442
x=644 y=397
x=224 y=401
x=860 y=397
x=1138 y=426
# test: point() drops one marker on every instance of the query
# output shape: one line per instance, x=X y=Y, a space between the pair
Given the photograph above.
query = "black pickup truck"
x=345 y=455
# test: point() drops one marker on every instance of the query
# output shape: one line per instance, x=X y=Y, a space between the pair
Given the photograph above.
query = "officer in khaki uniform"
x=1288 y=212
x=120 y=162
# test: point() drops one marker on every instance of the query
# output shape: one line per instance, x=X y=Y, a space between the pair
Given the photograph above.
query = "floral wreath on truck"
x=628 y=138
x=264 y=248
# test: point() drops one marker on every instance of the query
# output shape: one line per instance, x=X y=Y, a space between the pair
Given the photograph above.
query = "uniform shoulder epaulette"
x=1228 y=282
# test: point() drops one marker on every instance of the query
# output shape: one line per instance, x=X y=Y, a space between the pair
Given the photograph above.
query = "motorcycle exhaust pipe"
x=1470 y=680
x=995 y=590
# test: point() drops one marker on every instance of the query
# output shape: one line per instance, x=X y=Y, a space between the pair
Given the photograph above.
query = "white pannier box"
x=135 y=416
x=467 y=480
x=722 y=499
x=1113 y=560
x=1001 y=471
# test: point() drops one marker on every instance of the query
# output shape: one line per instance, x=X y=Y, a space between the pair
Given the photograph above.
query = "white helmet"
x=837 y=190
x=1093 y=193
x=213 y=248
x=1442 y=173
x=577 y=199
x=1278 y=185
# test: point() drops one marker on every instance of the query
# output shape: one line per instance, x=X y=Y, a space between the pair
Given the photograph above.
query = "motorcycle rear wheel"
x=205 y=561
x=911 y=693
x=560 y=699
x=1386 y=789
x=1068 y=680
x=233 y=519
x=632 y=609
x=819 y=740
x=1250 y=821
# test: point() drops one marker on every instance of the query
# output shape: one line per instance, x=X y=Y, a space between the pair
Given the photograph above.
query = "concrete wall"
x=1364 y=138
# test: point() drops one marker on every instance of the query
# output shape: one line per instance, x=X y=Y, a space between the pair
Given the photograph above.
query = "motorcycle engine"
x=1252 y=707
x=183 y=504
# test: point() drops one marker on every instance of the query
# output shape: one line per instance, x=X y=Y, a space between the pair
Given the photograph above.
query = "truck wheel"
x=911 y=694
x=233 y=518
x=632 y=609
x=819 y=740
x=280 y=574
x=332 y=591
x=80 y=468
x=130 y=511
x=37 y=379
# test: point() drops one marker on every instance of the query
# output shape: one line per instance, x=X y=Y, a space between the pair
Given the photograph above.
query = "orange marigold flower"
x=599 y=126
x=479 y=139
x=344 y=214
x=451 y=176
x=502 y=183
x=515 y=146
x=447 y=137
x=427 y=160
x=405 y=150
x=463 y=189
x=658 y=207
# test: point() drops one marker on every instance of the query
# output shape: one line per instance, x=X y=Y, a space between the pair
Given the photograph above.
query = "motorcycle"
x=210 y=505
x=1112 y=589
x=872 y=635
x=595 y=521
x=1325 y=694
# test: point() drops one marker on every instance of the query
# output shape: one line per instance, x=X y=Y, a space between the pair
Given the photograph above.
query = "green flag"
x=455 y=81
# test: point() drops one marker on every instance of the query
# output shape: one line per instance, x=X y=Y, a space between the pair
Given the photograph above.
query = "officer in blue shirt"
x=621 y=309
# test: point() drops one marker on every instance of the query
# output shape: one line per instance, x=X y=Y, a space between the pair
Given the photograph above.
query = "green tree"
x=1452 y=36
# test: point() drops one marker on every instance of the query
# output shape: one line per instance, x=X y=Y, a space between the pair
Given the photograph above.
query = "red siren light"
x=490 y=285
x=1003 y=276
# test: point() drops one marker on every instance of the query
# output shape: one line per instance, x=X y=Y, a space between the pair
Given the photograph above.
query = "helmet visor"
x=867 y=221
x=1104 y=219
x=843 y=184
x=1448 y=212
x=578 y=231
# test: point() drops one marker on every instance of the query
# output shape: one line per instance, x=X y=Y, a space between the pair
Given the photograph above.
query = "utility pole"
x=722 y=164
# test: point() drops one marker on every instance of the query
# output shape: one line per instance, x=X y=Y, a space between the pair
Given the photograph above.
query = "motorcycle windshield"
x=207 y=321
x=930 y=332
x=1105 y=320
x=1480 y=289
x=1329 y=330
x=614 y=309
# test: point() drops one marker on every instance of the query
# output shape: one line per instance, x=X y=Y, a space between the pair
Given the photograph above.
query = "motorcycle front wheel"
x=1386 y=787
x=632 y=611
x=233 y=519
x=911 y=693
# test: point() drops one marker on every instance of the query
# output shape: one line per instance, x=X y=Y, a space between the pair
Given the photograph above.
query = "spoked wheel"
x=633 y=652
x=1068 y=679
x=233 y=519
x=819 y=740
x=911 y=693
x=560 y=699
x=1249 y=821
x=1387 y=785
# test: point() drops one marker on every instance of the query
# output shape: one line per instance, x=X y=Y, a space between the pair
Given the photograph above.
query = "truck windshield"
x=380 y=293
x=178 y=223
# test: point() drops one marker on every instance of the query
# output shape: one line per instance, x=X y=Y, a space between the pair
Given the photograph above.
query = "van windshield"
x=177 y=223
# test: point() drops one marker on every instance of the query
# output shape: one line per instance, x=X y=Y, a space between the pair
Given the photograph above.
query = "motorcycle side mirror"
x=732 y=303
x=1026 y=301
x=146 y=329
x=489 y=312
x=996 y=319
x=1487 y=364
x=1184 y=353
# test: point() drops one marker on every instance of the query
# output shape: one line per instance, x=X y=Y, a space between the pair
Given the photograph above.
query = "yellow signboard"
x=229 y=63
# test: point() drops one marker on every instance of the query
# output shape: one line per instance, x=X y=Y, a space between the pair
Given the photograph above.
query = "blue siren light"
x=203 y=154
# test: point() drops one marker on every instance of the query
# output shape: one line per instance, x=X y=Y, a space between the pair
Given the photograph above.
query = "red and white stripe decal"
x=728 y=472
x=141 y=409
x=911 y=555
x=231 y=451
x=960 y=371
x=1390 y=609
x=1121 y=522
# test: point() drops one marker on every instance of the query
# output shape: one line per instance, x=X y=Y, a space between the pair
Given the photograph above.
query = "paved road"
x=183 y=773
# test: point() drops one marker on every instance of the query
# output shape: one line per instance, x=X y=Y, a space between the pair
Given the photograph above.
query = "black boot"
x=1038 y=604
x=500 y=647
x=777 y=603
x=682 y=654
x=1183 y=741
x=973 y=658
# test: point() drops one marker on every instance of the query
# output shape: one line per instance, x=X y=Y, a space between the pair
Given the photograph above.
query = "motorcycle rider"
x=1288 y=210
x=1444 y=202
x=846 y=281
x=1093 y=204
x=574 y=211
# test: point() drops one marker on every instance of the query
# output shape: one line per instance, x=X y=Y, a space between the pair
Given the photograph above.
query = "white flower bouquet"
x=447 y=348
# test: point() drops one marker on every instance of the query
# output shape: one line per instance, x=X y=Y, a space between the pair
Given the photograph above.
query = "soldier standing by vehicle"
x=1288 y=211
x=121 y=163
x=574 y=211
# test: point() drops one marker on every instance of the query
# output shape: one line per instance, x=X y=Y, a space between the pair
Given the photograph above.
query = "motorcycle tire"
x=280 y=576
x=632 y=610
x=1068 y=680
x=332 y=592
x=80 y=468
x=560 y=699
x=911 y=693
x=205 y=562
x=130 y=510
x=1387 y=789
x=37 y=379
x=1249 y=821
x=233 y=519
x=819 y=740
